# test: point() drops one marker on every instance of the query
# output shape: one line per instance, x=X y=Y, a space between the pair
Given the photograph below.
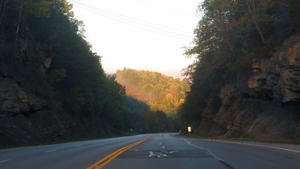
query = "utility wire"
x=133 y=22
x=143 y=26
x=131 y=18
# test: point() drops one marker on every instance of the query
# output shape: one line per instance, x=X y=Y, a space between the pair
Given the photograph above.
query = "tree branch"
x=252 y=13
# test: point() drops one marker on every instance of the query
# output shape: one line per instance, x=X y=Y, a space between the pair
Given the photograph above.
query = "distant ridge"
x=159 y=91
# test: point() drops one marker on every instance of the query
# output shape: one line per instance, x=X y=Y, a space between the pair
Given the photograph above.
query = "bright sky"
x=140 y=34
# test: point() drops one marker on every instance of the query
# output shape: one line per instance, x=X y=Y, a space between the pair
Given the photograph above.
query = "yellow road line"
x=115 y=154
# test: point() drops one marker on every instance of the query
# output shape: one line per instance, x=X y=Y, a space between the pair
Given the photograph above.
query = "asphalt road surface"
x=153 y=151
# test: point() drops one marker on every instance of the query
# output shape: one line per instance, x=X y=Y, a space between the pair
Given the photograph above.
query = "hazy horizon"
x=173 y=73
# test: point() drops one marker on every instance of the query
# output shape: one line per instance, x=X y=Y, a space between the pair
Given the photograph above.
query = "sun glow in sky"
x=140 y=34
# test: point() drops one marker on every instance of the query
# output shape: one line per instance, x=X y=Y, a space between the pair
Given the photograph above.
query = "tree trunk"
x=1 y=4
x=252 y=12
x=19 y=19
x=2 y=9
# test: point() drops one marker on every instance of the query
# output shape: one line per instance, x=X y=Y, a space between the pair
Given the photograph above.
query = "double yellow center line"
x=115 y=154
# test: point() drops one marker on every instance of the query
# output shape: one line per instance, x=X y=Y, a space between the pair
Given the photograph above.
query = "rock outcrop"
x=28 y=114
x=266 y=103
x=278 y=78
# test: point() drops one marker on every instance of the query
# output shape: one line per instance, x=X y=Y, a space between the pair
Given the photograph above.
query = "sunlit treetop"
x=43 y=8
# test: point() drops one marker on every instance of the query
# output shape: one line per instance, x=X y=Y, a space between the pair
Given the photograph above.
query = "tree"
x=225 y=45
x=252 y=12
x=160 y=92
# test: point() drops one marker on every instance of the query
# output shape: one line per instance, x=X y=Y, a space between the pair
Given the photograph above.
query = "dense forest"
x=245 y=81
x=160 y=92
x=138 y=118
x=52 y=86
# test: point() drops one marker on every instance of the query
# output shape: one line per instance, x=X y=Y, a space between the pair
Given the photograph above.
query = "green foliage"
x=138 y=118
x=57 y=75
x=33 y=32
x=40 y=8
x=231 y=34
x=85 y=92
x=294 y=13
x=160 y=92
x=43 y=47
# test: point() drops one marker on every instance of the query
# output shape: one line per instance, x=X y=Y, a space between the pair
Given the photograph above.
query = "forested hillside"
x=245 y=82
x=138 y=118
x=52 y=86
x=160 y=92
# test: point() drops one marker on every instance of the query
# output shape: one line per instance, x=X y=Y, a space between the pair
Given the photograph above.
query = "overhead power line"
x=156 y=28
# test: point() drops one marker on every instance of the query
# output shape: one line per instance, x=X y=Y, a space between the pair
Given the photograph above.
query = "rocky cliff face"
x=26 y=118
x=266 y=103
x=28 y=115
x=278 y=78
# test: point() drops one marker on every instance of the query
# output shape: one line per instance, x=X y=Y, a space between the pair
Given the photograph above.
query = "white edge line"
x=202 y=148
x=210 y=153
x=256 y=145
x=50 y=151
x=4 y=161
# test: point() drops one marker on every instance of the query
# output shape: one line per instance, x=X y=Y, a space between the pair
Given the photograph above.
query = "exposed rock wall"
x=28 y=112
x=265 y=104
x=278 y=78
x=26 y=118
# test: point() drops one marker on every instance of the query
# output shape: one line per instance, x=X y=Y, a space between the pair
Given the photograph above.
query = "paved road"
x=164 y=151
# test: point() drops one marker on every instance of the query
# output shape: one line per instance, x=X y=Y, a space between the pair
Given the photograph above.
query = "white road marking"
x=50 y=151
x=151 y=154
x=4 y=161
x=257 y=145
x=210 y=153
x=202 y=148
x=157 y=154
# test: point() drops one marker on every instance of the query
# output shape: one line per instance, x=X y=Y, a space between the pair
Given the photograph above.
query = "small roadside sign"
x=189 y=128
